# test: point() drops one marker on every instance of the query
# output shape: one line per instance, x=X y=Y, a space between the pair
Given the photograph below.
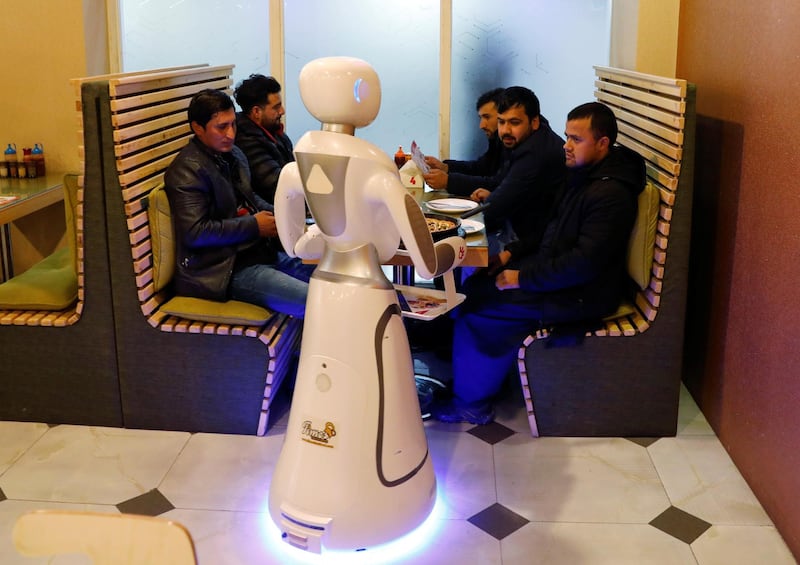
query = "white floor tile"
x=92 y=464
x=455 y=542
x=511 y=412
x=701 y=479
x=15 y=439
x=244 y=538
x=229 y=538
x=590 y=500
x=593 y=544
x=223 y=472
x=464 y=468
x=578 y=480
x=742 y=545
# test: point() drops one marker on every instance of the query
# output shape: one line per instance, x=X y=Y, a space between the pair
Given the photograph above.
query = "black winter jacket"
x=579 y=266
x=464 y=177
x=528 y=181
x=205 y=189
x=266 y=156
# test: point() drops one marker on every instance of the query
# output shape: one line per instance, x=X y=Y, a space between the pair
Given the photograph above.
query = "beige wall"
x=644 y=36
x=44 y=45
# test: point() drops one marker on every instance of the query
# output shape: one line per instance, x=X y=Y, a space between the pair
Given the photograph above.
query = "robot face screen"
x=341 y=90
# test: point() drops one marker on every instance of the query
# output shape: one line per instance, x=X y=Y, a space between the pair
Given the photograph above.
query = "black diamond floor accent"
x=491 y=433
x=643 y=441
x=151 y=503
x=498 y=521
x=2 y=495
x=680 y=524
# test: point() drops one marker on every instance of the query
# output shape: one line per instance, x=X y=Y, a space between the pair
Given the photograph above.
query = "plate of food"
x=442 y=226
x=471 y=226
x=451 y=205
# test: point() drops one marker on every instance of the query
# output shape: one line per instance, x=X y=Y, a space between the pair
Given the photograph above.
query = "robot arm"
x=430 y=259
x=290 y=217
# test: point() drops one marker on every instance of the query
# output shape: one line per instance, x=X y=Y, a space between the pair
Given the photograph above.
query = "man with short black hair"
x=260 y=133
x=531 y=174
x=226 y=238
x=463 y=177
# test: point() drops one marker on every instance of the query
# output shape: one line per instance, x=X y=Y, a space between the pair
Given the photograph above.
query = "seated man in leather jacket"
x=227 y=244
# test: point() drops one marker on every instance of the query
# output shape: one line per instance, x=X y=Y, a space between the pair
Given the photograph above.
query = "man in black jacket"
x=260 y=134
x=226 y=238
x=531 y=174
x=463 y=177
x=574 y=272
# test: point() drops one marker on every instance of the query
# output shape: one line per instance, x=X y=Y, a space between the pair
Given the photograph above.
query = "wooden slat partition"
x=651 y=116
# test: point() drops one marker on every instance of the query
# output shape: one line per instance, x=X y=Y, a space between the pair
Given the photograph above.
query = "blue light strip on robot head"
x=357 y=90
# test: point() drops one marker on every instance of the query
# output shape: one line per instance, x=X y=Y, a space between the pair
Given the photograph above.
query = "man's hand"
x=436 y=179
x=479 y=195
x=435 y=163
x=507 y=280
x=266 y=224
x=497 y=262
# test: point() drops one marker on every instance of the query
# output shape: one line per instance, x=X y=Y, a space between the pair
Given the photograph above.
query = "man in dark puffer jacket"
x=575 y=272
x=260 y=134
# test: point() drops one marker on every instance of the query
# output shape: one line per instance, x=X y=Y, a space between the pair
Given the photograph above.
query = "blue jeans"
x=281 y=286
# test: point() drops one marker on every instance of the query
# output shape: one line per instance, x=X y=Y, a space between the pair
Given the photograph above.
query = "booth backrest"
x=651 y=116
x=643 y=236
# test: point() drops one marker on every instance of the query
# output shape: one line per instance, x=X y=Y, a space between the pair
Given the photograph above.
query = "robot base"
x=354 y=471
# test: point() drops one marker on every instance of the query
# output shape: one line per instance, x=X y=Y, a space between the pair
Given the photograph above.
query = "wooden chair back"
x=108 y=539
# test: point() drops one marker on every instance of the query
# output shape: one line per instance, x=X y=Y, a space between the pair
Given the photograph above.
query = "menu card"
x=419 y=158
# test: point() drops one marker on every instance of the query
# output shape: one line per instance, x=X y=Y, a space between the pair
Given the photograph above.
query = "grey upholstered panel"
x=69 y=374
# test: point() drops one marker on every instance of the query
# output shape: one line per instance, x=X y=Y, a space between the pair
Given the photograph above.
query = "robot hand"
x=450 y=252
x=290 y=211
x=311 y=245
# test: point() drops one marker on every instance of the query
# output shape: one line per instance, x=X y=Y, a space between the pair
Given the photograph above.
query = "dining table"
x=19 y=199
x=476 y=239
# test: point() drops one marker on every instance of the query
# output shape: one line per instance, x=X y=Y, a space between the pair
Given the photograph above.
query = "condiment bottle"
x=27 y=169
x=38 y=157
x=10 y=156
x=399 y=157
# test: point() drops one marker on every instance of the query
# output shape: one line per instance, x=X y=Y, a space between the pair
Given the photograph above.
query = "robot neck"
x=349 y=129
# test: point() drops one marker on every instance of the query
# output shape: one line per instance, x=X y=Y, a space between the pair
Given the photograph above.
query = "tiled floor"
x=504 y=497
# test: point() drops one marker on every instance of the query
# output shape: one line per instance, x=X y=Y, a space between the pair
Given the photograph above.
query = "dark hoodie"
x=267 y=152
x=578 y=270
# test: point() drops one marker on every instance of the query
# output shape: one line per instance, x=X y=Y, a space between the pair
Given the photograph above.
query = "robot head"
x=341 y=90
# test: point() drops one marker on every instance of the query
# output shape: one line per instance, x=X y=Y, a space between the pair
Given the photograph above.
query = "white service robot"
x=354 y=471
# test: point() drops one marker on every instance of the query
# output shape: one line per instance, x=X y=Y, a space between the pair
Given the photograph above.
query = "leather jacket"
x=207 y=192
